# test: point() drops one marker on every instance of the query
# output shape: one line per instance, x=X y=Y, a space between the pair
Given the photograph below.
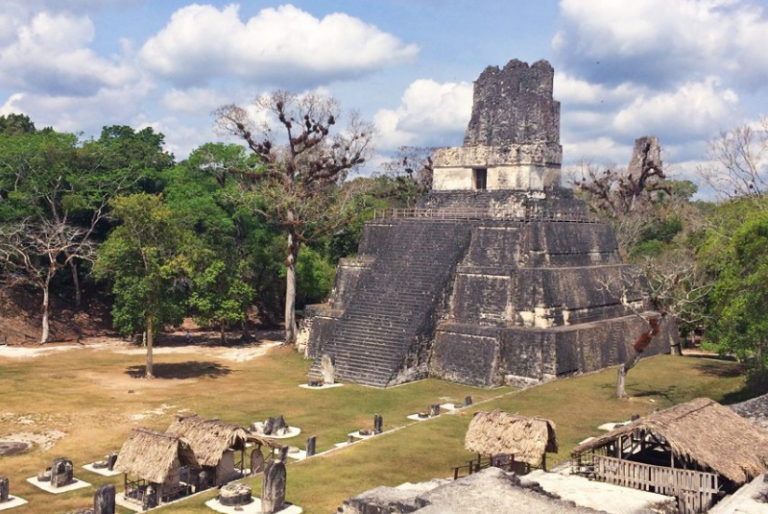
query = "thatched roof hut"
x=501 y=433
x=704 y=433
x=209 y=438
x=153 y=455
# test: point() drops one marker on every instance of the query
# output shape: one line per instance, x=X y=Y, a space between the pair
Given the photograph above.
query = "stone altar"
x=499 y=276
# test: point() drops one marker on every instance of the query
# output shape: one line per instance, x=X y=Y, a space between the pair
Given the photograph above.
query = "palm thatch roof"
x=501 y=433
x=209 y=438
x=704 y=432
x=151 y=455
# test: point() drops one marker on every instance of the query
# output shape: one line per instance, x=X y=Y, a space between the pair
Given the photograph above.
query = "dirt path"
x=201 y=343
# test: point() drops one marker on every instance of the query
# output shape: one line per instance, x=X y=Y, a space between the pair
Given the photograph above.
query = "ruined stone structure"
x=499 y=275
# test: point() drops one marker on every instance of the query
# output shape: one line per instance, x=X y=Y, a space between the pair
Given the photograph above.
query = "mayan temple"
x=498 y=276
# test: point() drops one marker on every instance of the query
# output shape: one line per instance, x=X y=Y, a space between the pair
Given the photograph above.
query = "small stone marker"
x=350 y=439
x=269 y=426
x=150 y=498
x=434 y=410
x=281 y=427
x=273 y=488
x=282 y=453
x=111 y=459
x=204 y=481
x=327 y=369
x=635 y=416
x=104 y=500
x=311 y=443
x=467 y=401
x=378 y=423
x=4 y=489
x=257 y=461
x=62 y=472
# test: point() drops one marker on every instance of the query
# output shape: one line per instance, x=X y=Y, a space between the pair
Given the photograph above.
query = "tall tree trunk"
x=638 y=348
x=290 y=288
x=46 y=302
x=149 y=373
x=246 y=332
x=222 y=325
x=76 y=281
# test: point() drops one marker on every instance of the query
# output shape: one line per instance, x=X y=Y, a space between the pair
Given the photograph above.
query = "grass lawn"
x=93 y=397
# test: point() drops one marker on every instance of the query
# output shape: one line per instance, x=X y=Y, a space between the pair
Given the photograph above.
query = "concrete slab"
x=358 y=435
x=745 y=500
x=607 y=427
x=13 y=501
x=292 y=432
x=600 y=496
x=450 y=407
x=297 y=455
x=416 y=417
x=101 y=471
x=252 y=508
x=48 y=488
x=127 y=504
x=319 y=388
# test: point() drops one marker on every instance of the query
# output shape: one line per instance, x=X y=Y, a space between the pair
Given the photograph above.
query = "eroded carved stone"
x=311 y=444
x=62 y=472
x=378 y=423
x=104 y=500
x=4 y=489
x=646 y=154
x=257 y=461
x=235 y=494
x=328 y=370
x=273 y=488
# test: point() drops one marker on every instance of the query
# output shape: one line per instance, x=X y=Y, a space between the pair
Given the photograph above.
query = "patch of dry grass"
x=92 y=395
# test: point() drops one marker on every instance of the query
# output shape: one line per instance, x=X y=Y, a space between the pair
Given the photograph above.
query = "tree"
x=34 y=252
x=296 y=182
x=413 y=172
x=741 y=294
x=148 y=259
x=16 y=124
x=738 y=161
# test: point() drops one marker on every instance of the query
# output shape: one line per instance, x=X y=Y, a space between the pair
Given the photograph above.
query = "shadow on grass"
x=668 y=394
x=181 y=370
x=755 y=385
x=720 y=368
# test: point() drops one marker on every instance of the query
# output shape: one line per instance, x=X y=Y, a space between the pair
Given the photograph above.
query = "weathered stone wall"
x=514 y=105
x=489 y=357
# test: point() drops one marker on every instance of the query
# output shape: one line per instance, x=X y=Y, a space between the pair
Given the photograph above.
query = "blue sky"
x=680 y=69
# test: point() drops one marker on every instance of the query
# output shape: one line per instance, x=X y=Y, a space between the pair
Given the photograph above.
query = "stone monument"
x=104 y=500
x=499 y=275
x=311 y=445
x=273 y=488
x=329 y=373
x=62 y=472
x=5 y=490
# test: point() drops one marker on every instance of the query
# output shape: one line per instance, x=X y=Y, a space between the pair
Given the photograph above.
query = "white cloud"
x=664 y=41
x=116 y=105
x=193 y=100
x=693 y=110
x=283 y=45
x=430 y=114
x=50 y=54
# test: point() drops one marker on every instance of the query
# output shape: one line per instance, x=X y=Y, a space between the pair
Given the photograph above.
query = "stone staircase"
x=375 y=340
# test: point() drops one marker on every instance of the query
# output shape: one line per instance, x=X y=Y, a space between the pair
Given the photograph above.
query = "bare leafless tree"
x=300 y=169
x=34 y=252
x=738 y=161
x=412 y=169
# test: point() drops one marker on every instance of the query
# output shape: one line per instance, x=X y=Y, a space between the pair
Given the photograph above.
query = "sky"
x=682 y=70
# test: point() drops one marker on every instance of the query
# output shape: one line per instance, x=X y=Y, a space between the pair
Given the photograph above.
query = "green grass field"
x=93 y=397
